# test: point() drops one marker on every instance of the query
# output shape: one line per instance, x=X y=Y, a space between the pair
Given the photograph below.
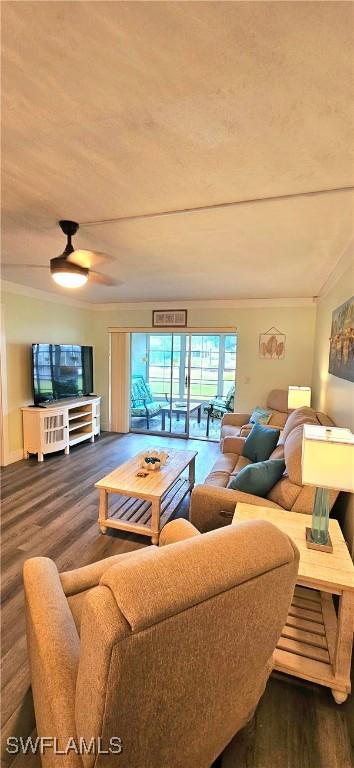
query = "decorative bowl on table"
x=154 y=459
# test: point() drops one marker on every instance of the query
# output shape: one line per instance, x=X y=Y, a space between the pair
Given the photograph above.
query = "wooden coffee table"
x=145 y=504
x=315 y=644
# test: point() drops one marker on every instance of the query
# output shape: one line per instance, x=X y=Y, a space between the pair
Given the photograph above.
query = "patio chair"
x=218 y=406
x=142 y=403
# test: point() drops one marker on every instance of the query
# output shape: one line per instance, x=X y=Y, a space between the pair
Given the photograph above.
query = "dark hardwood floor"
x=51 y=509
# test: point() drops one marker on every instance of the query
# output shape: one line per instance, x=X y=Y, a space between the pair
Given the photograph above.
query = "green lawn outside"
x=202 y=390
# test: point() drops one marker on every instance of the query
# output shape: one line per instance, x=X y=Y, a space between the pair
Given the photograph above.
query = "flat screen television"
x=61 y=370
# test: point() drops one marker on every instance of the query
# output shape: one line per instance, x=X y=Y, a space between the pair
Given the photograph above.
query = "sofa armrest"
x=177 y=530
x=53 y=648
x=235 y=419
x=209 y=501
x=245 y=430
x=233 y=445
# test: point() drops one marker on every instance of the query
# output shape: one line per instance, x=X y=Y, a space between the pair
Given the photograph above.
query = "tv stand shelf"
x=79 y=424
x=76 y=414
x=60 y=425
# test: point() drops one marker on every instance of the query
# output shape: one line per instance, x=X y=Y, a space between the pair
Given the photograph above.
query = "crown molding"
x=205 y=304
x=346 y=260
x=36 y=293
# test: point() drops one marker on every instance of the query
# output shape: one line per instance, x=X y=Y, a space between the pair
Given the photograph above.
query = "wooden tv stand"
x=58 y=426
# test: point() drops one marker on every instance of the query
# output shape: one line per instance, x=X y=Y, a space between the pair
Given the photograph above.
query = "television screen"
x=61 y=370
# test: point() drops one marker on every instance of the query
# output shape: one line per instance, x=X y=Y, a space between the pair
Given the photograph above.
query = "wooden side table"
x=316 y=643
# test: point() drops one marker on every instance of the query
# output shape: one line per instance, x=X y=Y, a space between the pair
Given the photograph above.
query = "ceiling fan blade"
x=88 y=259
x=98 y=277
x=25 y=266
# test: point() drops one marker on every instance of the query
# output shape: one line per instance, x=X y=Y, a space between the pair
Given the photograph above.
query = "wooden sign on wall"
x=272 y=344
x=169 y=318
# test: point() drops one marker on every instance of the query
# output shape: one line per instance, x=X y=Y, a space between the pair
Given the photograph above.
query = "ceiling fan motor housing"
x=61 y=264
x=68 y=227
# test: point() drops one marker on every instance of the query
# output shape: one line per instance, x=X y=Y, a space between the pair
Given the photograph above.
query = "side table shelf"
x=316 y=642
x=311 y=646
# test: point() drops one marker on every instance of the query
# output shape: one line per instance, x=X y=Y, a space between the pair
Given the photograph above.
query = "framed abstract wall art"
x=341 y=349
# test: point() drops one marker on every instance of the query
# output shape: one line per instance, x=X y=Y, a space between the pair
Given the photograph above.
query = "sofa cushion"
x=260 y=443
x=260 y=415
x=258 y=478
x=278 y=400
x=324 y=420
x=278 y=419
x=225 y=462
x=220 y=479
x=303 y=415
x=306 y=498
x=241 y=463
x=278 y=452
x=226 y=465
x=292 y=454
x=284 y=493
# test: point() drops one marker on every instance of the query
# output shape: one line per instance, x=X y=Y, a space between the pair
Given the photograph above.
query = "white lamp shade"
x=298 y=397
x=328 y=457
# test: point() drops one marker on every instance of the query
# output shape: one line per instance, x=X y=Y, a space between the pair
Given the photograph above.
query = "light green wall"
x=255 y=377
x=30 y=320
x=333 y=395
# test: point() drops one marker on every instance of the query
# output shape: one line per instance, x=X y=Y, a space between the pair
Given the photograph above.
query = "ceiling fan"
x=73 y=268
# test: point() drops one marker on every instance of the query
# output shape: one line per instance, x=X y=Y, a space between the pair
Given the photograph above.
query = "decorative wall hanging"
x=341 y=350
x=167 y=318
x=272 y=344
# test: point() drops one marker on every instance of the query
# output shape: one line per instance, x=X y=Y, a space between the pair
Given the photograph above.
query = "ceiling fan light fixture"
x=68 y=275
x=69 y=280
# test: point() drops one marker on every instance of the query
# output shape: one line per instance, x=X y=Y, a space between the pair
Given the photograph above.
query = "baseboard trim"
x=13 y=456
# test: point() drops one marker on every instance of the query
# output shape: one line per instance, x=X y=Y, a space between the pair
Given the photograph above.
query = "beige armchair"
x=166 y=648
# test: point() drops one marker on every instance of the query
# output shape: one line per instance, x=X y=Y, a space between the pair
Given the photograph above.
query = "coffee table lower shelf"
x=307 y=646
x=134 y=514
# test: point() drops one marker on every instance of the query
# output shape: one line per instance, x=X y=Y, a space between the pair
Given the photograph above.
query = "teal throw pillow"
x=260 y=442
x=261 y=416
x=259 y=478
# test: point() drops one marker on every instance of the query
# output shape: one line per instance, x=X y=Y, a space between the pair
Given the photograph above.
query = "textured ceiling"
x=116 y=109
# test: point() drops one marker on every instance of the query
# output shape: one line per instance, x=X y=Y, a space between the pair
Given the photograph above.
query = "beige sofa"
x=213 y=503
x=166 y=648
x=238 y=424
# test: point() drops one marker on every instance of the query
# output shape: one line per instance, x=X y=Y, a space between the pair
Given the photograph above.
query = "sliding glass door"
x=157 y=379
x=180 y=382
x=212 y=381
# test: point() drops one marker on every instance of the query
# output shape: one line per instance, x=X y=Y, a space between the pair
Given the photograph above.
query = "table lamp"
x=298 y=397
x=327 y=463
